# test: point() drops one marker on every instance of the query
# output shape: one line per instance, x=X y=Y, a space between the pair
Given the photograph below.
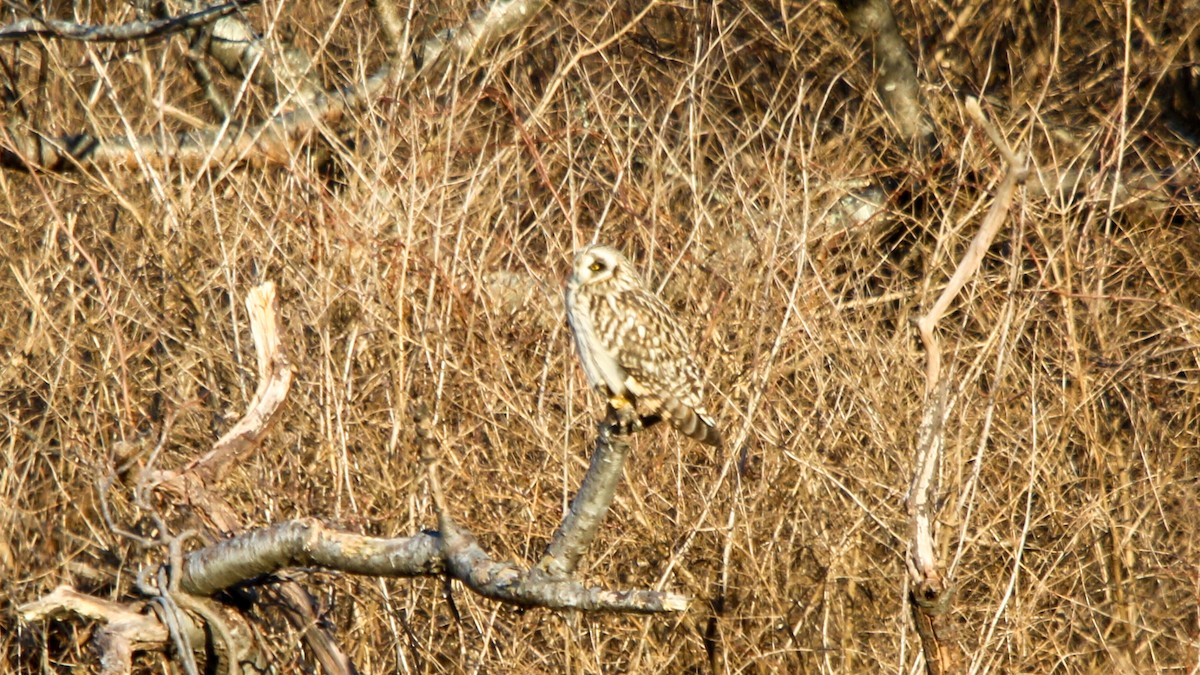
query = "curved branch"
x=589 y=506
x=310 y=543
x=126 y=627
x=274 y=381
x=973 y=258
x=932 y=592
x=306 y=543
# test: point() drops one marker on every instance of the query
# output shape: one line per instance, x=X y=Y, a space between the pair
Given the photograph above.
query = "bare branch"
x=932 y=592
x=482 y=29
x=203 y=76
x=66 y=599
x=309 y=543
x=127 y=627
x=191 y=487
x=925 y=485
x=274 y=141
x=895 y=73
x=1017 y=171
x=274 y=381
x=977 y=116
x=134 y=30
x=589 y=506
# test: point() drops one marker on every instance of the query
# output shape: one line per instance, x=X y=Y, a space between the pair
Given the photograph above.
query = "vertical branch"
x=932 y=592
x=589 y=506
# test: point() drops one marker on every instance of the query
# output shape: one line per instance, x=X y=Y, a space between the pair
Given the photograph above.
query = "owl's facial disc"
x=596 y=264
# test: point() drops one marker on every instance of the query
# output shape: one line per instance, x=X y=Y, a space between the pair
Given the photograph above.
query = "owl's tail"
x=692 y=422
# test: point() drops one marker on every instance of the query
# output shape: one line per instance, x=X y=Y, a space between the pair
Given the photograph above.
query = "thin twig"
x=977 y=116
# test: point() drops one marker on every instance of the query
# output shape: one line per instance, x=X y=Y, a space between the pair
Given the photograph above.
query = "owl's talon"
x=623 y=419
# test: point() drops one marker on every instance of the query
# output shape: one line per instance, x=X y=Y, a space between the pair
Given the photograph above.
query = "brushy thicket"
x=424 y=265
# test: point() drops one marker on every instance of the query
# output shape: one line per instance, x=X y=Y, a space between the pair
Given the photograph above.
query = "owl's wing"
x=661 y=372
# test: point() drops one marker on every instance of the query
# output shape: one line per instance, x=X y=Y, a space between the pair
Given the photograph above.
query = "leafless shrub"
x=706 y=142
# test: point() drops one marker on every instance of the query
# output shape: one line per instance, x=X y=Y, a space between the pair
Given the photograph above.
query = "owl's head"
x=599 y=264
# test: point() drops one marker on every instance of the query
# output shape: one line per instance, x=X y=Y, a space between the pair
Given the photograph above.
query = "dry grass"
x=706 y=143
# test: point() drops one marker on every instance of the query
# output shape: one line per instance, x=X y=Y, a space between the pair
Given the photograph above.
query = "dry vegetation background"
x=424 y=264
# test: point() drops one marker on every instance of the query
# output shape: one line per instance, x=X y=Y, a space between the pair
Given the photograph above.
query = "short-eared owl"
x=632 y=349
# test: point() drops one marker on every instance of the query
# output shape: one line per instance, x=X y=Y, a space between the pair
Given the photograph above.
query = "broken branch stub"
x=932 y=593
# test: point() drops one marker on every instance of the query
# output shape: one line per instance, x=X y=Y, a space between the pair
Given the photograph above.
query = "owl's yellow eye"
x=596 y=266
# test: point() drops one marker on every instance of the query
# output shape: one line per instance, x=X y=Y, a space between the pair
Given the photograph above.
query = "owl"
x=633 y=351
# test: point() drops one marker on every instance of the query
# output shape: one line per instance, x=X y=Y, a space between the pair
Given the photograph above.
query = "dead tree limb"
x=933 y=592
x=125 y=627
x=274 y=382
x=256 y=555
x=193 y=485
x=1015 y=175
x=288 y=76
x=135 y=30
x=274 y=141
x=311 y=544
x=589 y=506
x=895 y=73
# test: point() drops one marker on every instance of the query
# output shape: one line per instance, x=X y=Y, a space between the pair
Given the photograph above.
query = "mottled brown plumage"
x=631 y=347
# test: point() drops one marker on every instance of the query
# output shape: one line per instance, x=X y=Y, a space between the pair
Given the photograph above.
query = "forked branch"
x=309 y=543
x=187 y=582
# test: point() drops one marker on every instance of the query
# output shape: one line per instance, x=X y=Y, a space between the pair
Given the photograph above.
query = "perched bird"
x=633 y=351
